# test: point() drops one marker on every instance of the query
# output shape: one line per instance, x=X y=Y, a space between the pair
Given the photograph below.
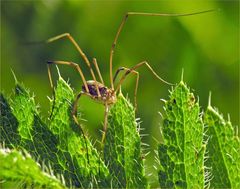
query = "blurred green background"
x=206 y=46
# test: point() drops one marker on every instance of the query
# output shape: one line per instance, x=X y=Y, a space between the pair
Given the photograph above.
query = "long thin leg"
x=137 y=79
x=77 y=67
x=117 y=72
x=134 y=68
x=74 y=110
x=74 y=114
x=125 y=17
x=98 y=71
x=105 y=123
x=68 y=36
x=53 y=91
x=72 y=64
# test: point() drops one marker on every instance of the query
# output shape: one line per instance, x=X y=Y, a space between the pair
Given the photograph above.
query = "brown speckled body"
x=106 y=95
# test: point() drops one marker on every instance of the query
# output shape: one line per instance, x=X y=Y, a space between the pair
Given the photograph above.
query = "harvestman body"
x=98 y=90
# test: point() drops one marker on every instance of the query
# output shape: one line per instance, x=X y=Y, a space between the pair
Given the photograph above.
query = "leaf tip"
x=14 y=76
x=229 y=118
x=120 y=90
x=209 y=99
x=182 y=74
x=59 y=75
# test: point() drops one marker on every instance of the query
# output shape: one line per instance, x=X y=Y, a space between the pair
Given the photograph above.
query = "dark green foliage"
x=9 y=133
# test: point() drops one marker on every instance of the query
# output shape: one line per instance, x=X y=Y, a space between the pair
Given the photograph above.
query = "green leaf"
x=20 y=169
x=8 y=125
x=223 y=149
x=122 y=148
x=182 y=153
x=59 y=143
x=74 y=147
x=60 y=147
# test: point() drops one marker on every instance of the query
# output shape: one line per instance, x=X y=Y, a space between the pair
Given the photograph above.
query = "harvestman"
x=98 y=90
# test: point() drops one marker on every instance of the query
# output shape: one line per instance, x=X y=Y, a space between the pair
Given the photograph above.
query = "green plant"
x=182 y=154
x=187 y=157
x=223 y=150
x=20 y=169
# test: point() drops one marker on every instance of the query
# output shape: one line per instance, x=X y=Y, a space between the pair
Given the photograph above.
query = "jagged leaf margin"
x=122 y=148
x=223 y=150
x=64 y=149
x=20 y=169
x=182 y=153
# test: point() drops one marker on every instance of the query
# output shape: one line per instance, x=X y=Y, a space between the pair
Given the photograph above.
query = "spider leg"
x=74 y=114
x=69 y=37
x=105 y=123
x=74 y=111
x=125 y=17
x=136 y=85
x=72 y=64
x=137 y=66
x=132 y=70
x=98 y=71
x=77 y=67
